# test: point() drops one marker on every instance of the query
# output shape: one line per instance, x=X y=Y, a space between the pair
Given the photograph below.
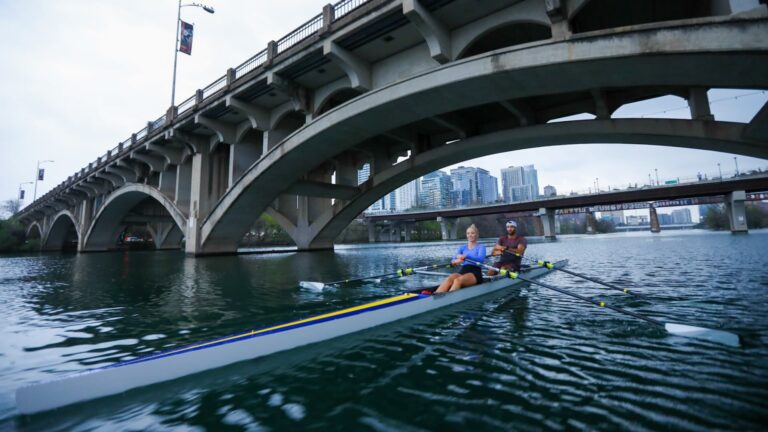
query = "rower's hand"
x=459 y=259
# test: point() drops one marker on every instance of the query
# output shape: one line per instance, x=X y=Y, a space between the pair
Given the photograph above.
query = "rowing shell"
x=186 y=360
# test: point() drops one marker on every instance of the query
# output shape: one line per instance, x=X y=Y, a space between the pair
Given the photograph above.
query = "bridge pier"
x=591 y=223
x=200 y=198
x=737 y=215
x=407 y=227
x=448 y=228
x=371 y=225
x=653 y=218
x=547 y=217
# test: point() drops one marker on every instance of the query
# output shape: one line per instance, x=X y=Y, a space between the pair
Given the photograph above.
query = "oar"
x=392 y=275
x=713 y=335
x=549 y=265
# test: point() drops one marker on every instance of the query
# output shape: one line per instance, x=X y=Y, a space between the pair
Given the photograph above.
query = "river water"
x=530 y=360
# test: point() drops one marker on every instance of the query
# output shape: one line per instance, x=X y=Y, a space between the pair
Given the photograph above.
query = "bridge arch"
x=63 y=234
x=34 y=231
x=667 y=132
x=108 y=222
x=336 y=98
x=546 y=69
x=604 y=14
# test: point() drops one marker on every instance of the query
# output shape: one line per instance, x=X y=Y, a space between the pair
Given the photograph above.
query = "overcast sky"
x=79 y=76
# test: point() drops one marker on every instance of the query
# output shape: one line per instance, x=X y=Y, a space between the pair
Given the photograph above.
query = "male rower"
x=511 y=247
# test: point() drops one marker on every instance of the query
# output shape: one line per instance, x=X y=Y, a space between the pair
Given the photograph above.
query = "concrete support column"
x=241 y=157
x=86 y=216
x=167 y=183
x=200 y=198
x=591 y=223
x=371 y=225
x=737 y=215
x=407 y=227
x=448 y=227
x=220 y=174
x=653 y=217
x=698 y=102
x=183 y=186
x=547 y=217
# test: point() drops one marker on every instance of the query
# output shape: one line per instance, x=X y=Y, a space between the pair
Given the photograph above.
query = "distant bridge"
x=733 y=192
x=439 y=80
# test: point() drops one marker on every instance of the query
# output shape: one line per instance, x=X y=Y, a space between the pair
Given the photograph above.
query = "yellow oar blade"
x=719 y=336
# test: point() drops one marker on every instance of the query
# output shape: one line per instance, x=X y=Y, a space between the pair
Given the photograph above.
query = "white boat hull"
x=196 y=358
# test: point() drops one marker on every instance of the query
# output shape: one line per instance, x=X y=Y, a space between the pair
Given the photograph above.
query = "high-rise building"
x=519 y=183
x=617 y=216
x=363 y=174
x=435 y=190
x=681 y=216
x=472 y=186
x=550 y=191
x=407 y=196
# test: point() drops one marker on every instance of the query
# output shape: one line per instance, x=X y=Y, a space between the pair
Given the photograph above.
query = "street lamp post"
x=176 y=45
x=719 y=170
x=20 y=185
x=736 y=161
x=37 y=176
x=597 y=184
x=656 y=170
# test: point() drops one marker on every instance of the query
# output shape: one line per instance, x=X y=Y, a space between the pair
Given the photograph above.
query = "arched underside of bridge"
x=663 y=132
x=63 y=234
x=534 y=84
x=116 y=213
x=34 y=232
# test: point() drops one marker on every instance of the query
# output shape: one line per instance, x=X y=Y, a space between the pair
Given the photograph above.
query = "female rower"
x=469 y=274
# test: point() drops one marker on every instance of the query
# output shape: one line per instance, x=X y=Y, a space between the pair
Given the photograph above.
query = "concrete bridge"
x=732 y=192
x=438 y=81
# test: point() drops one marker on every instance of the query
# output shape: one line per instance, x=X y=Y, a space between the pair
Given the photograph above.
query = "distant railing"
x=251 y=64
x=214 y=87
x=304 y=31
x=293 y=38
x=186 y=105
x=346 y=6
x=141 y=134
x=159 y=122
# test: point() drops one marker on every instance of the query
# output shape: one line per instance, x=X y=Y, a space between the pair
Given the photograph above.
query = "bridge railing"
x=302 y=32
x=346 y=6
x=292 y=39
x=249 y=65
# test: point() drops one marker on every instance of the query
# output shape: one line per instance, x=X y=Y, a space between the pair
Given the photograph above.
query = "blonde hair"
x=473 y=227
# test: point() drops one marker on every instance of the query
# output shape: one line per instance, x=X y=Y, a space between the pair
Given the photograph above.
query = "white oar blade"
x=719 y=336
x=318 y=286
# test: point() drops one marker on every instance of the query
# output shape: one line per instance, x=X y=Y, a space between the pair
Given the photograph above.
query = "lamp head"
x=208 y=9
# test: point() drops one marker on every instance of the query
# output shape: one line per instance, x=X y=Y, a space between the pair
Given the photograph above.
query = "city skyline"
x=40 y=121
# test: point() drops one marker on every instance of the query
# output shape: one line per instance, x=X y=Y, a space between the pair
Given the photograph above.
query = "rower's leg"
x=447 y=283
x=466 y=280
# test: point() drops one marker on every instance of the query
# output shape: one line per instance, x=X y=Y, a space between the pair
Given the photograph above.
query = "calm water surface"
x=530 y=360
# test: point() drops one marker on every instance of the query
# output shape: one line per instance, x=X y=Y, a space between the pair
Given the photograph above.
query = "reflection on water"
x=530 y=360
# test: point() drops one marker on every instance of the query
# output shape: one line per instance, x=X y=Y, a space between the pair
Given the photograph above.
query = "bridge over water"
x=438 y=81
x=732 y=192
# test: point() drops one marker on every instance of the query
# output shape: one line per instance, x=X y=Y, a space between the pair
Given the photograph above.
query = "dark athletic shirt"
x=511 y=244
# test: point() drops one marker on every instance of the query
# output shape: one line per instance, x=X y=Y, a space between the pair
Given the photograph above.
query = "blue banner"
x=41 y=174
x=185 y=41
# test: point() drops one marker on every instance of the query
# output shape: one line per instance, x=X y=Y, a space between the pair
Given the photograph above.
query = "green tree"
x=11 y=235
x=716 y=219
x=757 y=217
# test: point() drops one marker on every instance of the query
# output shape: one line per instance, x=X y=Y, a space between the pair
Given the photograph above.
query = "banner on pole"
x=21 y=194
x=41 y=174
x=185 y=42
